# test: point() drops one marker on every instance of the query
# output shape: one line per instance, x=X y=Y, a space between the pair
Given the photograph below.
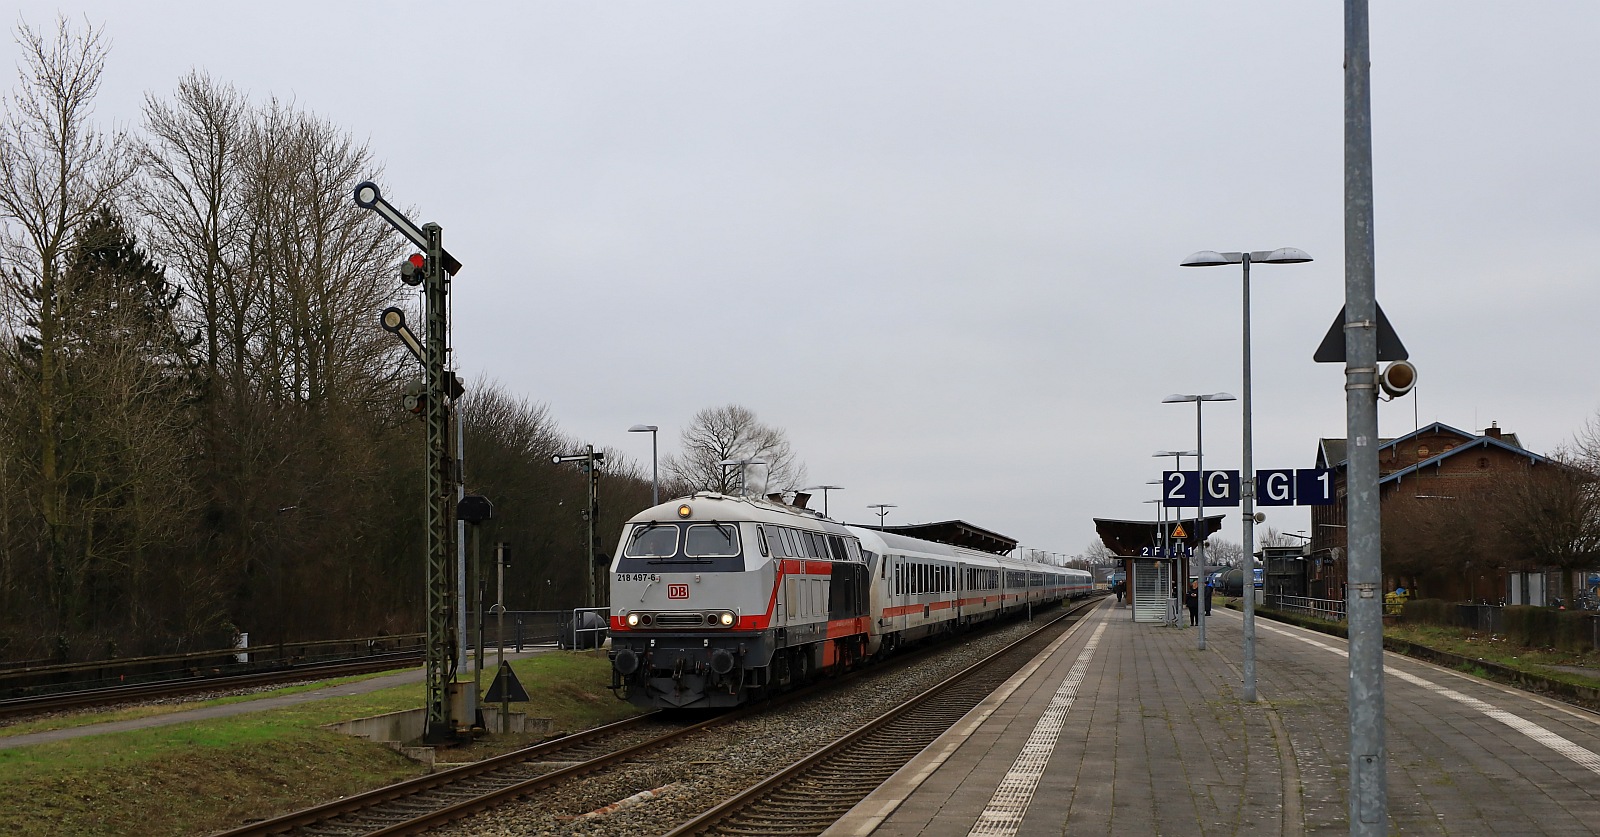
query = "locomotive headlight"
x=633 y=620
x=726 y=619
x=684 y=511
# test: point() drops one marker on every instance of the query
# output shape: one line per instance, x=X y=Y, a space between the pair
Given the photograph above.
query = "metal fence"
x=580 y=628
x=1330 y=609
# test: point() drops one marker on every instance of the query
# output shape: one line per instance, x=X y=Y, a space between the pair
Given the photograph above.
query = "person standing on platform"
x=1208 y=597
x=1118 y=588
x=1191 y=599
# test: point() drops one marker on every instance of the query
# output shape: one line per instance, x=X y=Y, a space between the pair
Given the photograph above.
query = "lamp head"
x=1211 y=258
x=1283 y=255
x=643 y=428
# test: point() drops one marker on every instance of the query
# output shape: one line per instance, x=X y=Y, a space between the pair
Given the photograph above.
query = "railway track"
x=812 y=794
x=36 y=704
x=417 y=805
x=539 y=775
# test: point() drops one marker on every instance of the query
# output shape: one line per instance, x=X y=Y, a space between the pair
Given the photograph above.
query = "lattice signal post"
x=440 y=388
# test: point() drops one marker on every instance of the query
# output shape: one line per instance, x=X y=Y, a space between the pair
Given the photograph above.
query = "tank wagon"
x=717 y=599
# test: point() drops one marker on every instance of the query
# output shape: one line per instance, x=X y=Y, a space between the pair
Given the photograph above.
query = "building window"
x=1422 y=451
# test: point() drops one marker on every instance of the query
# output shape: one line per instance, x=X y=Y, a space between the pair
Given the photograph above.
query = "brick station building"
x=1436 y=462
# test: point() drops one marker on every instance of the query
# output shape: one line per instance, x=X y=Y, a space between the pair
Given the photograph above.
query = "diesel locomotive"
x=717 y=599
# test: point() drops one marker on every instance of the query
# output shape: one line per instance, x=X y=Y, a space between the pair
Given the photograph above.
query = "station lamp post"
x=1200 y=497
x=883 y=511
x=743 y=464
x=824 y=489
x=1247 y=474
x=655 y=475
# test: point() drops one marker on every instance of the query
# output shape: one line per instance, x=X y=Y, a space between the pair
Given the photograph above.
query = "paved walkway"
x=1125 y=728
x=371 y=684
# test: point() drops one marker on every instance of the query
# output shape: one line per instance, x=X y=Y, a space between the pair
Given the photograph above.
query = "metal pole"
x=500 y=634
x=655 y=472
x=441 y=645
x=1248 y=488
x=1200 y=468
x=464 y=645
x=1369 y=758
x=478 y=582
x=594 y=502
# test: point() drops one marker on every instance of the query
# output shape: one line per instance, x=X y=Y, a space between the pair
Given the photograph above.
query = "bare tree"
x=1270 y=536
x=720 y=434
x=193 y=162
x=56 y=170
x=1096 y=554
x=1221 y=552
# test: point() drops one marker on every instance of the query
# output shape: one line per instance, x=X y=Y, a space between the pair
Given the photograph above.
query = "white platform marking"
x=1010 y=802
x=1579 y=754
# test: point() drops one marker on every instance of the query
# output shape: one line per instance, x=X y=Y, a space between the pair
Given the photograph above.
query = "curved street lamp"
x=824 y=489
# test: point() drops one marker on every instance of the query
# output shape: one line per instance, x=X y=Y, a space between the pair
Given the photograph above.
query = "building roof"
x=1480 y=442
x=955 y=533
x=1128 y=537
x=1333 y=453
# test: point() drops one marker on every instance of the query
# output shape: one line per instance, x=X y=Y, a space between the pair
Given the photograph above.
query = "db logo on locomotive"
x=677 y=591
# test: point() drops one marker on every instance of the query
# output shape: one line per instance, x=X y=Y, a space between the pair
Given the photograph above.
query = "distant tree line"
x=203 y=431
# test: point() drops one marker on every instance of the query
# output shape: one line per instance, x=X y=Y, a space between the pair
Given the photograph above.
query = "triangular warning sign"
x=506 y=687
x=1177 y=531
x=1332 y=348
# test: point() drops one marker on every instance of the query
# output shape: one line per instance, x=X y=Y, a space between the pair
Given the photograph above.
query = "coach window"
x=761 y=541
x=819 y=546
x=791 y=543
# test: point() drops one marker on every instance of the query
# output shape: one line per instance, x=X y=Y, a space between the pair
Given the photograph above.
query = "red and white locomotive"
x=716 y=599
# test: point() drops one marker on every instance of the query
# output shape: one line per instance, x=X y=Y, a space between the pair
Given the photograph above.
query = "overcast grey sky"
x=938 y=242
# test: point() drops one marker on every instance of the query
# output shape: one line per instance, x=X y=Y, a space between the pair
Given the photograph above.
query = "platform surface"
x=1126 y=728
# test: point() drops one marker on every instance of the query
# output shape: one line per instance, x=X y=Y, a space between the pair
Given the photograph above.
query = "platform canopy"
x=955 y=533
x=1129 y=537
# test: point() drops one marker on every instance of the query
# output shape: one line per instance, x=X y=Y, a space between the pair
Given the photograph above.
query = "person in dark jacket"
x=1191 y=600
x=1208 y=598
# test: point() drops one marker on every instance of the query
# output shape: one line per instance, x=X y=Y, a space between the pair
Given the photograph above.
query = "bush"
x=1543 y=627
x=1428 y=612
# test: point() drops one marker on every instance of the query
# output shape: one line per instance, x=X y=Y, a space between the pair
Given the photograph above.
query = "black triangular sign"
x=1389 y=345
x=506 y=687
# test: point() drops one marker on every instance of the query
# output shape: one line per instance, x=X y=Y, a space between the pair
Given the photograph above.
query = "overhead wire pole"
x=1368 y=766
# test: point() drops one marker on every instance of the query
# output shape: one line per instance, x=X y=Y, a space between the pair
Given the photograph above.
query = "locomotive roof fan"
x=1398 y=378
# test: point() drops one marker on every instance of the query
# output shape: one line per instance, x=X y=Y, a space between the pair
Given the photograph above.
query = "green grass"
x=1497 y=649
x=195 y=778
x=89 y=717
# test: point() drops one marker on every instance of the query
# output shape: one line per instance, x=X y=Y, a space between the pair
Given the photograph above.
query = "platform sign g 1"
x=1295 y=487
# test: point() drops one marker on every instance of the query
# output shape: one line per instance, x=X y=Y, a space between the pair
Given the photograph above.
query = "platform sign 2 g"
x=1295 y=487
x=1181 y=489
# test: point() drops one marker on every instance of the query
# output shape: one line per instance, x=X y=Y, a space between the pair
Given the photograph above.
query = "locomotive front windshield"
x=652 y=545
x=653 y=541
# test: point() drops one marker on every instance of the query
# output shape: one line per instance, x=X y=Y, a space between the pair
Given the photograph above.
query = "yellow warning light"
x=684 y=510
